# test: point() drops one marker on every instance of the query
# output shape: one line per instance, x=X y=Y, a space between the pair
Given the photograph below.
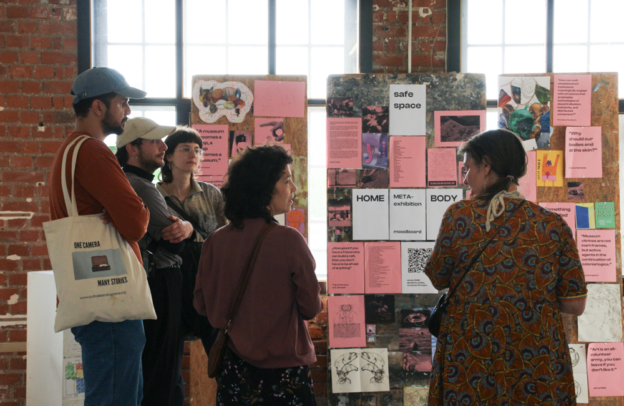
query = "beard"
x=109 y=126
x=149 y=164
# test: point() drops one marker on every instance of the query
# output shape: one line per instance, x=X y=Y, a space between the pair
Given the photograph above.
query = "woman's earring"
x=169 y=165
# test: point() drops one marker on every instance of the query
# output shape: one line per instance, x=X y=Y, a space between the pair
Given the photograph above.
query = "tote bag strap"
x=70 y=204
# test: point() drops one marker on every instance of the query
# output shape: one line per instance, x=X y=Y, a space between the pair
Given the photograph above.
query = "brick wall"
x=37 y=68
x=390 y=29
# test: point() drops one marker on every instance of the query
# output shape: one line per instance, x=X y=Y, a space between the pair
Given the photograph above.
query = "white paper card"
x=602 y=319
x=360 y=370
x=438 y=200
x=579 y=371
x=529 y=145
x=408 y=108
x=370 y=214
x=414 y=256
x=408 y=214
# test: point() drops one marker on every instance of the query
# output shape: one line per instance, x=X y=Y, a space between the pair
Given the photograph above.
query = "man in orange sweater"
x=111 y=352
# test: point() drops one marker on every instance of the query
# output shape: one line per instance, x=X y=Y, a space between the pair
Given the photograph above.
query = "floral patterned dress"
x=502 y=341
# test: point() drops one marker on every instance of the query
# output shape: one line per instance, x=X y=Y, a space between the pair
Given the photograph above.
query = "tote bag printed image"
x=97 y=275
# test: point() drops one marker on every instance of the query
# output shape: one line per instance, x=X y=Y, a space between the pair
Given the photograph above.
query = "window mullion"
x=550 y=26
x=272 y=35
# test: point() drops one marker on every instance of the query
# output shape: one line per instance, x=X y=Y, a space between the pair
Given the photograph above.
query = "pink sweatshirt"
x=269 y=330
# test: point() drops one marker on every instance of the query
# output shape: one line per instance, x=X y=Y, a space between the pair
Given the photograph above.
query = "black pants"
x=164 y=344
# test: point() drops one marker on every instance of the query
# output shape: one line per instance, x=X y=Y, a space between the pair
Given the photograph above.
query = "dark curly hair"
x=251 y=182
x=181 y=135
x=504 y=152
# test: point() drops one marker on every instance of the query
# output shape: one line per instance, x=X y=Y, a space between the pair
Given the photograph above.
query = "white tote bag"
x=97 y=274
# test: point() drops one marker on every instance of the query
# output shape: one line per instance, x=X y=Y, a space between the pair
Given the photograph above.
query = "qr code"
x=417 y=259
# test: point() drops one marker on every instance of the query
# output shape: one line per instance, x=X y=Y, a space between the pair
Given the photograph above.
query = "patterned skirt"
x=240 y=383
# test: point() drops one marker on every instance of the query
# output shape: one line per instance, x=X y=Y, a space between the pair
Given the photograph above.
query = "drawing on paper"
x=602 y=320
x=345 y=327
x=375 y=365
x=415 y=395
x=524 y=107
x=215 y=100
x=375 y=119
x=574 y=356
x=344 y=366
x=414 y=318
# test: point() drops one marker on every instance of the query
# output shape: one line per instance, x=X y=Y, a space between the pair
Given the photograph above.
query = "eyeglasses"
x=187 y=150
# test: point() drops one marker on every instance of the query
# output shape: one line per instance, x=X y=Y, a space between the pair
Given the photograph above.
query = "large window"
x=158 y=45
x=539 y=36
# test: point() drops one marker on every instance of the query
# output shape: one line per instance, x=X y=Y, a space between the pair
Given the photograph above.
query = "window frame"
x=454 y=47
x=183 y=105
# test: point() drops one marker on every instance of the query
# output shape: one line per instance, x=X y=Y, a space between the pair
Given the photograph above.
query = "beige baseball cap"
x=142 y=127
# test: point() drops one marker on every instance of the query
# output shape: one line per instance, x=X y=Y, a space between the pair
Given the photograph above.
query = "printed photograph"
x=340 y=107
x=415 y=340
x=575 y=191
x=375 y=150
x=239 y=140
x=379 y=309
x=375 y=119
x=413 y=362
x=371 y=329
x=373 y=178
x=453 y=128
x=414 y=318
x=339 y=207
x=341 y=178
x=98 y=264
x=339 y=234
x=269 y=131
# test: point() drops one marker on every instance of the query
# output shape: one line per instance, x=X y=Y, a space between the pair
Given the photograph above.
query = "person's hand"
x=178 y=231
x=277 y=128
x=106 y=218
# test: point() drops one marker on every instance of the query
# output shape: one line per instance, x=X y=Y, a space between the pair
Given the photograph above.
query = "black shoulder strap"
x=184 y=215
x=476 y=257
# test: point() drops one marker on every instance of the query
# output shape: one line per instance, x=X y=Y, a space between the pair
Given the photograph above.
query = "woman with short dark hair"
x=502 y=339
x=269 y=347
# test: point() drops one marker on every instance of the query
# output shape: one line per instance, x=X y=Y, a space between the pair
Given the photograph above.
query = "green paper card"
x=605 y=214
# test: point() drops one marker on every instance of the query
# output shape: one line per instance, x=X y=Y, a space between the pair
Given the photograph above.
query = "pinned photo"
x=375 y=119
x=269 y=131
x=339 y=234
x=340 y=107
x=341 y=178
x=373 y=178
x=379 y=309
x=339 y=207
x=375 y=150
x=453 y=128
x=414 y=318
x=239 y=141
x=576 y=191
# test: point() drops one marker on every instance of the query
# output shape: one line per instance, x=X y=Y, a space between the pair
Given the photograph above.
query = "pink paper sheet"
x=214 y=162
x=597 y=253
x=583 y=152
x=268 y=131
x=408 y=162
x=605 y=369
x=572 y=100
x=344 y=142
x=345 y=267
x=347 y=327
x=566 y=210
x=382 y=271
x=274 y=98
x=441 y=167
x=528 y=183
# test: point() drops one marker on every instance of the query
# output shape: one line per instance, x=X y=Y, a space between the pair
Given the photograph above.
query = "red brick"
x=29 y=57
x=40 y=102
x=17 y=12
x=29 y=117
x=378 y=16
x=70 y=43
x=19 y=206
x=8 y=57
x=29 y=236
x=21 y=162
x=19 y=392
x=28 y=147
x=20 y=71
x=321 y=318
x=43 y=162
x=40 y=42
x=70 y=13
x=58 y=28
x=56 y=43
x=64 y=58
x=17 y=102
x=389 y=59
x=321 y=362
x=57 y=87
x=4 y=161
x=3 y=277
x=8 y=265
x=19 y=132
x=27 y=27
x=319 y=375
x=5 y=294
x=10 y=379
x=391 y=45
x=45 y=206
x=427 y=60
x=9 y=146
x=378 y=46
x=427 y=3
x=18 y=279
x=30 y=87
x=391 y=16
x=315 y=332
x=16 y=223
x=17 y=363
x=15 y=41
x=10 y=236
x=47 y=265
x=17 y=335
x=4 y=192
x=40 y=250
x=389 y=31
x=58 y=102
x=320 y=347
x=9 y=87
x=39 y=12
x=429 y=31
x=22 y=176
x=9 y=116
x=24 y=191
x=21 y=250
x=7 y=26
